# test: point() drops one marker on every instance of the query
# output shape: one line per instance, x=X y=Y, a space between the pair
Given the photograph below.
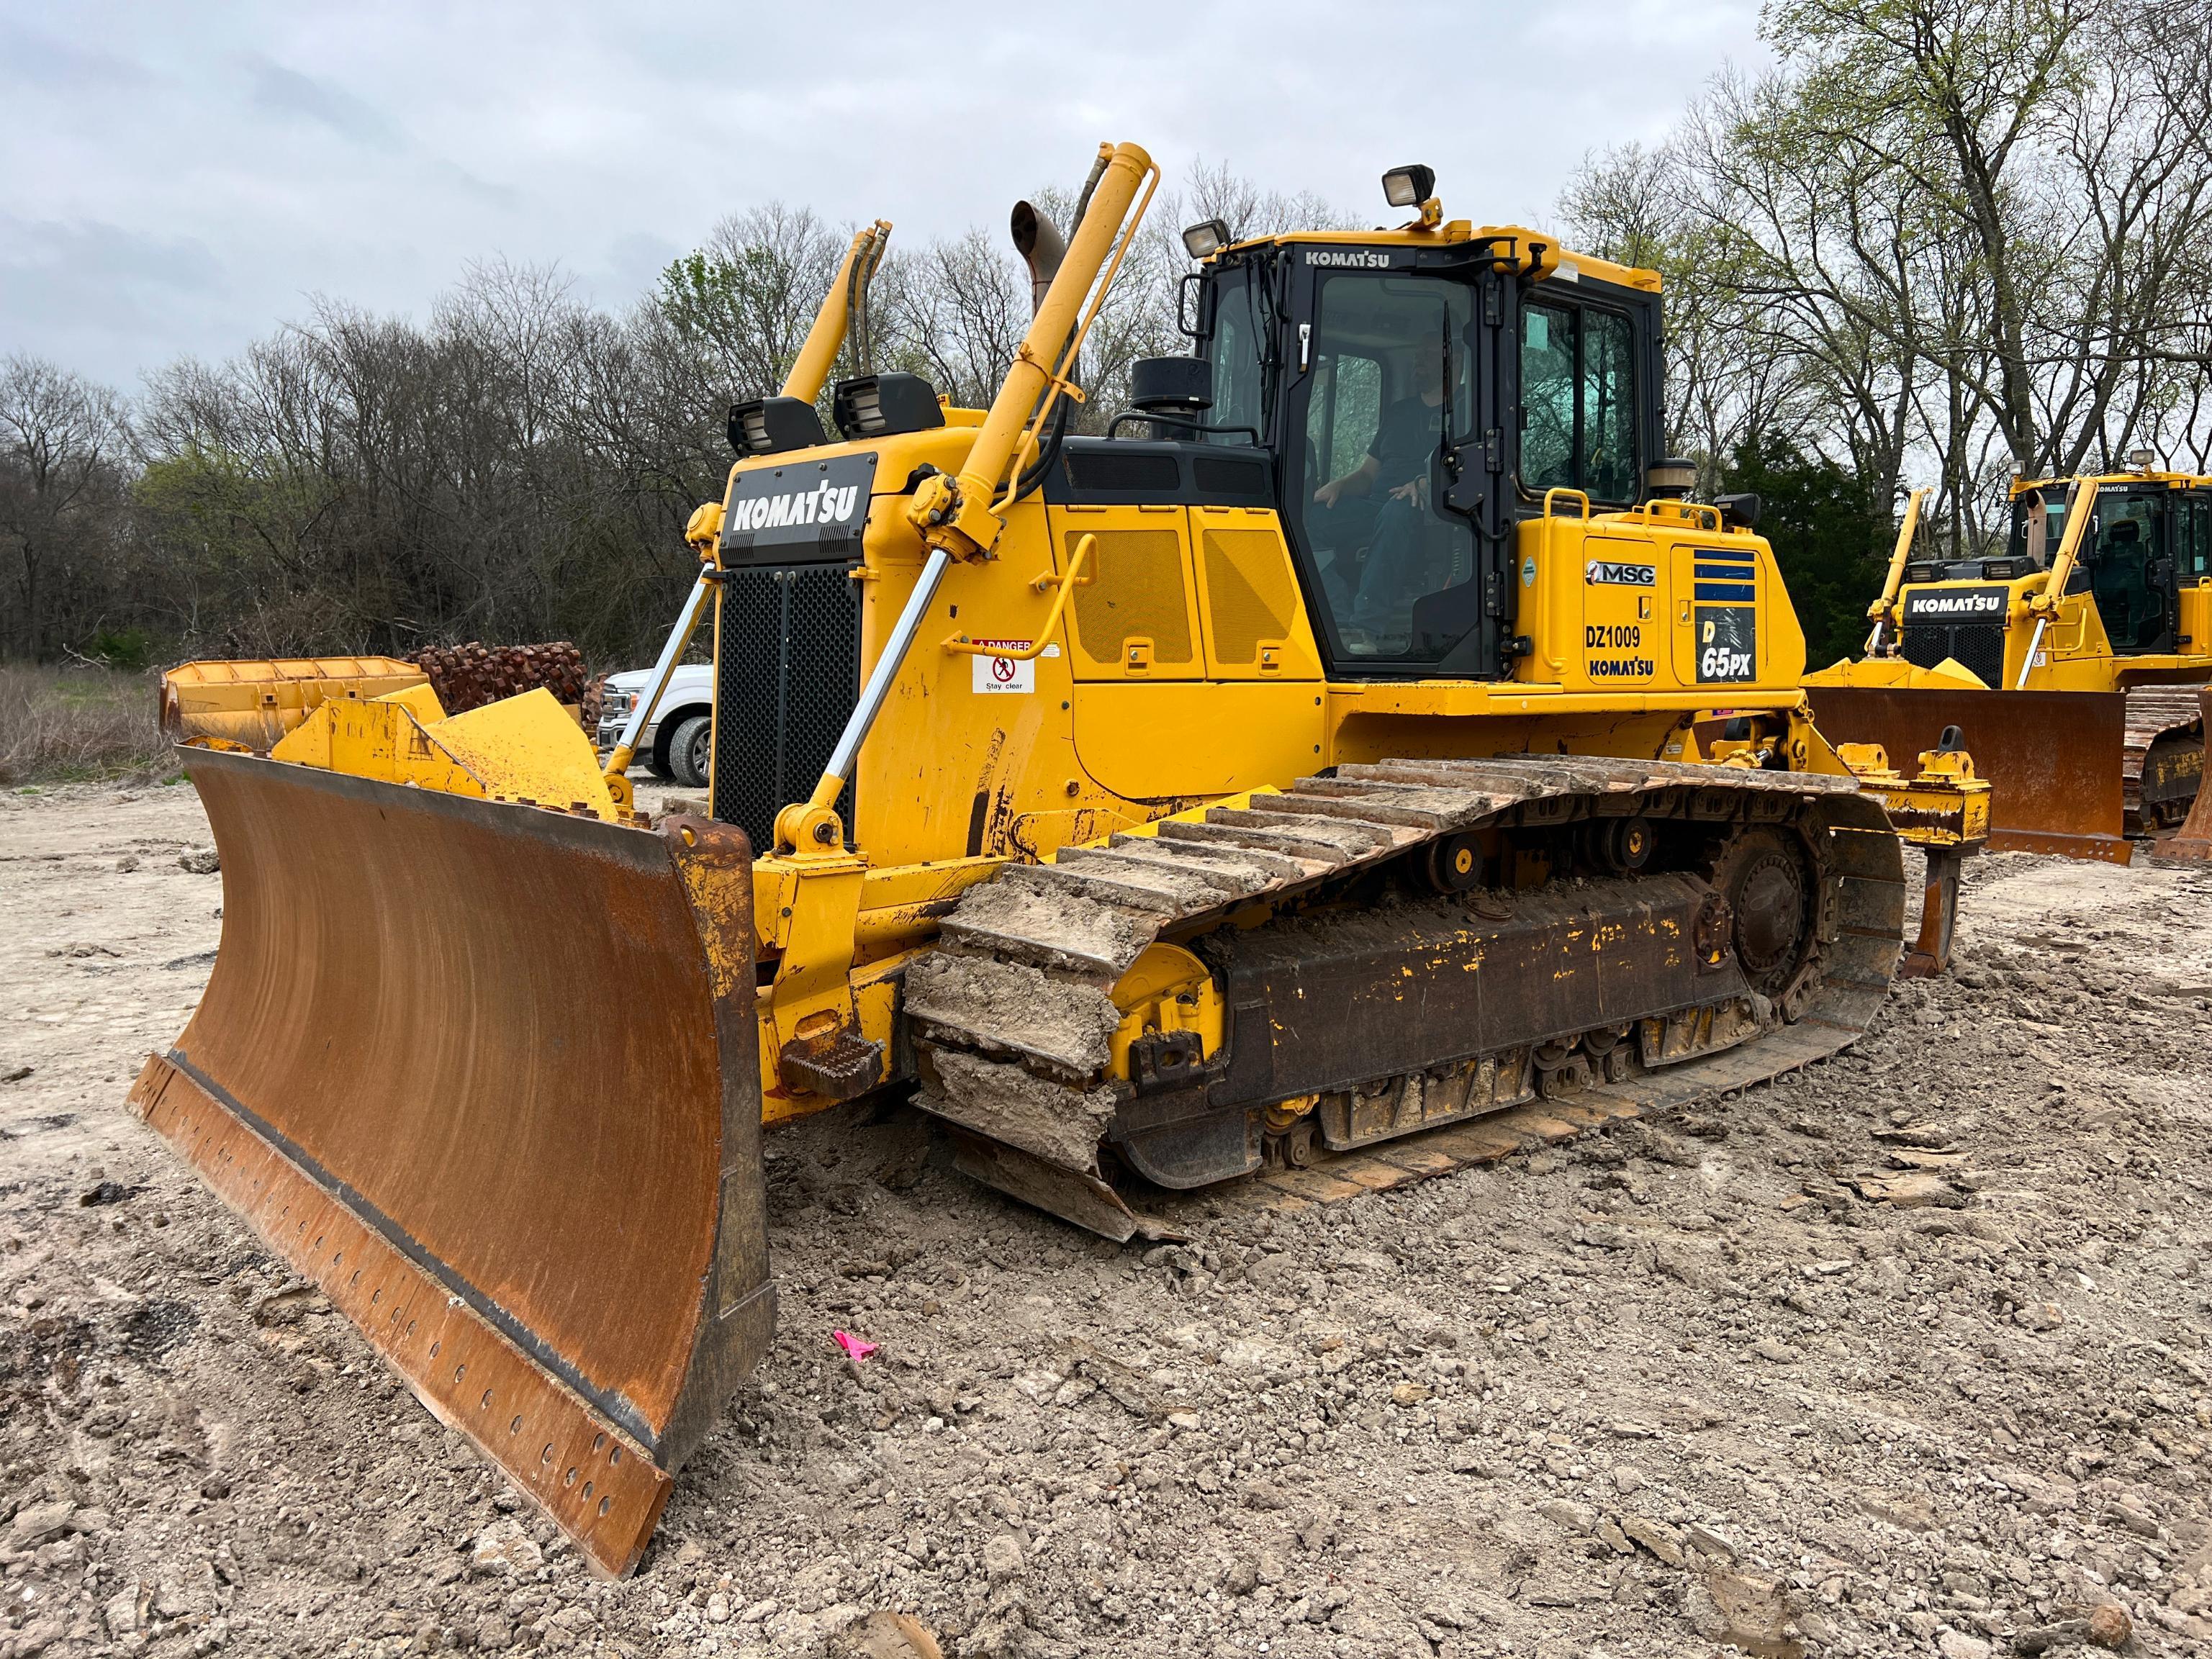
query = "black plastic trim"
x=1132 y=472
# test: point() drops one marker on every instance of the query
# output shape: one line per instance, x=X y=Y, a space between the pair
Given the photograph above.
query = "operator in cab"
x=1400 y=459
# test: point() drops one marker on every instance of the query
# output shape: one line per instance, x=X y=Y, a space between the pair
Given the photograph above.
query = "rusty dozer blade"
x=488 y=1075
x=2055 y=760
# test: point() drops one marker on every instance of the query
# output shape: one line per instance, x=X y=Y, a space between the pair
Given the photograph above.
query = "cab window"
x=2197 y=558
x=1238 y=351
x=1578 y=401
x=1386 y=404
x=2123 y=573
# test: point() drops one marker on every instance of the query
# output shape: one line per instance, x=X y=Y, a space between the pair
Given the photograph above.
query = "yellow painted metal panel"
x=524 y=749
x=1255 y=621
x=1137 y=617
x=1159 y=742
x=527 y=748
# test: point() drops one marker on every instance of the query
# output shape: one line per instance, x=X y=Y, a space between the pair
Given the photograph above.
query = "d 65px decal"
x=1728 y=643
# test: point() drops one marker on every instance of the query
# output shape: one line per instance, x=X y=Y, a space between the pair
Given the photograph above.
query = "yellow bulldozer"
x=2094 y=626
x=1364 y=734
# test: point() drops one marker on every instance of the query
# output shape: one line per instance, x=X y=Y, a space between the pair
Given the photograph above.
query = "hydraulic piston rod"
x=2080 y=502
x=1882 y=611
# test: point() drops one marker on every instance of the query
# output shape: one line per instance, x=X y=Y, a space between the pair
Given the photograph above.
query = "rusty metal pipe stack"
x=467 y=676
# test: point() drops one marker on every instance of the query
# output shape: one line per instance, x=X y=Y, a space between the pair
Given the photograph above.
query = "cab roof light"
x=1409 y=186
x=1206 y=237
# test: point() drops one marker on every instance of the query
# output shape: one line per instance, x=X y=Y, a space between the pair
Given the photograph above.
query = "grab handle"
x=962 y=646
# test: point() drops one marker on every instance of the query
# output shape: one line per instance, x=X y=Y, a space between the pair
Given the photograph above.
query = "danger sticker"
x=1004 y=676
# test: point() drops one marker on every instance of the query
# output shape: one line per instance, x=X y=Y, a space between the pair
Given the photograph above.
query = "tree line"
x=517 y=465
x=1939 y=241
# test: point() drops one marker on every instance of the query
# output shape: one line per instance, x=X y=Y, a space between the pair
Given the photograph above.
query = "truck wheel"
x=687 y=750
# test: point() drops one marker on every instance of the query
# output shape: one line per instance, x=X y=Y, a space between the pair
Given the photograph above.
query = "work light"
x=877 y=406
x=1409 y=186
x=769 y=426
x=1206 y=238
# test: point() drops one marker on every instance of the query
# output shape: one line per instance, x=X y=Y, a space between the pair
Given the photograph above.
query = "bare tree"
x=1957 y=239
x=62 y=441
x=1213 y=191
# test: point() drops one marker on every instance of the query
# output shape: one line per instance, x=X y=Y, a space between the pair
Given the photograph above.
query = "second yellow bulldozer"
x=1364 y=735
x=2070 y=660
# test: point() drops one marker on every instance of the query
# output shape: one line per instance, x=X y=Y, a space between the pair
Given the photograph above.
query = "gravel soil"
x=1904 y=1355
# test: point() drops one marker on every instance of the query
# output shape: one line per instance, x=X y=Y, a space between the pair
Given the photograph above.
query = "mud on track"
x=1904 y=1355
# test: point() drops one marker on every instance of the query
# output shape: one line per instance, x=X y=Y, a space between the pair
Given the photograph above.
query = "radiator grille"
x=1136 y=594
x=1249 y=593
x=785 y=682
x=1978 y=647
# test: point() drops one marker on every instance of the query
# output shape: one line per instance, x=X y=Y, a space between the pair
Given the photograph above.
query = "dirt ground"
x=1905 y=1355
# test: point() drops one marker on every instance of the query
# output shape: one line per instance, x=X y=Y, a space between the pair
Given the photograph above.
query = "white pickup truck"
x=674 y=741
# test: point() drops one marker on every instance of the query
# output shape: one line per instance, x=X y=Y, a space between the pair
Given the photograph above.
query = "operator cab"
x=1415 y=394
x=2150 y=538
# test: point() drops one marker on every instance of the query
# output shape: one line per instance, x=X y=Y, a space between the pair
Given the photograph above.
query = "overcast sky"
x=179 y=177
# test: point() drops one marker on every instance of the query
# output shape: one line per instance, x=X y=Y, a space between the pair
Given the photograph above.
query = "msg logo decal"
x=1728 y=644
x=1600 y=574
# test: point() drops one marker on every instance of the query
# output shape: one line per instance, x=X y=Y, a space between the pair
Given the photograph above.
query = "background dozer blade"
x=2055 y=760
x=488 y=1075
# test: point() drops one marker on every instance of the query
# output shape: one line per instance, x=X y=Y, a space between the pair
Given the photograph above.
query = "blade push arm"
x=1883 y=610
x=2043 y=606
x=959 y=517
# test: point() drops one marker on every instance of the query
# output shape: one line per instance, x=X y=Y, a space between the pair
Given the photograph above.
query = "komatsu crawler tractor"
x=1363 y=735
x=2095 y=624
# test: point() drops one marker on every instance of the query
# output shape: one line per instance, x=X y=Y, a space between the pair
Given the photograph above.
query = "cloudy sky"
x=178 y=178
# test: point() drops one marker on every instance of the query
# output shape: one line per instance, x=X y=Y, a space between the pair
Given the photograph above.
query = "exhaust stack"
x=1041 y=247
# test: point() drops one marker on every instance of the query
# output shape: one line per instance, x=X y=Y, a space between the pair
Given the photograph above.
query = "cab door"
x=2192 y=559
x=2131 y=572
